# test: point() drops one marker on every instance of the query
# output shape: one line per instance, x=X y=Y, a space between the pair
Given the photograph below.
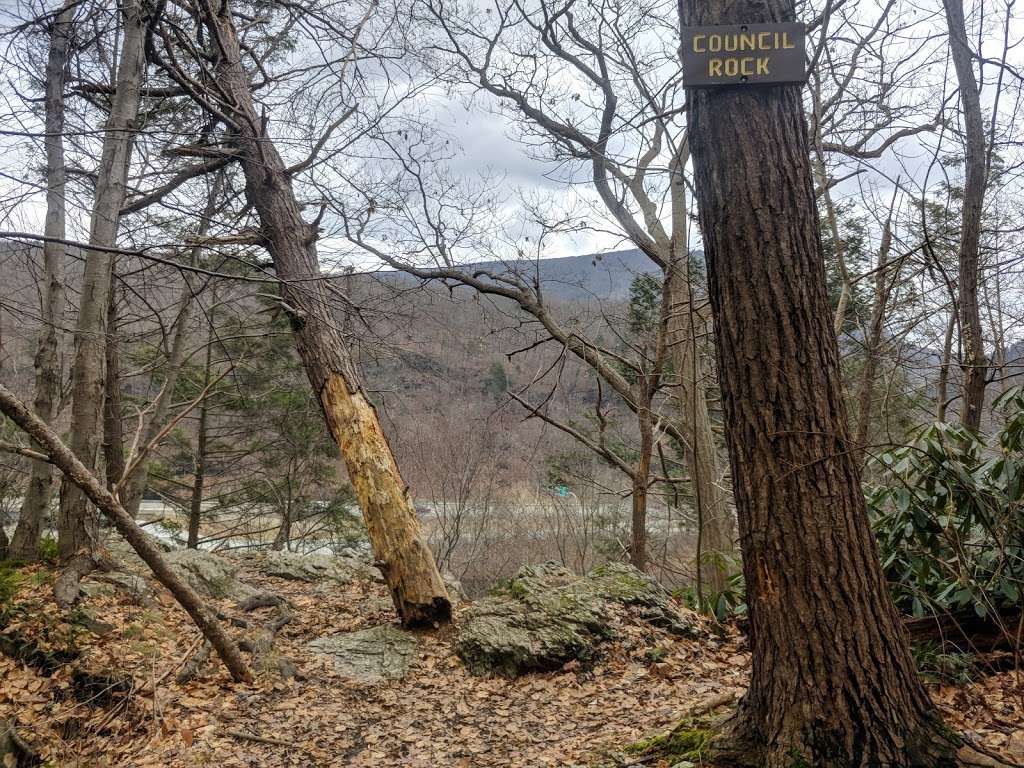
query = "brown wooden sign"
x=744 y=53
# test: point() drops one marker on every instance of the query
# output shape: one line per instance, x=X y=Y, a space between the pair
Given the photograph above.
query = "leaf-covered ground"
x=438 y=715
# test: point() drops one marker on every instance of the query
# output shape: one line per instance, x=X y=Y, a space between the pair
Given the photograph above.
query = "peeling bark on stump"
x=403 y=556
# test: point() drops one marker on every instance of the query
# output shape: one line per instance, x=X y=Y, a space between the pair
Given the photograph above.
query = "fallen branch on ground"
x=80 y=475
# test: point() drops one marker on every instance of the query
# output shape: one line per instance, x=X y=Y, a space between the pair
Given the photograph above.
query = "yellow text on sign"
x=745 y=66
x=742 y=41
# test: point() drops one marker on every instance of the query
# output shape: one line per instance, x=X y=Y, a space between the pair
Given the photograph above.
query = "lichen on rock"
x=624 y=584
x=310 y=568
x=370 y=655
x=545 y=617
x=210 y=574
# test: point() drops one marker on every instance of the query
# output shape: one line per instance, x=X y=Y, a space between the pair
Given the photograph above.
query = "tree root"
x=976 y=756
x=726 y=742
x=67 y=588
x=261 y=645
x=14 y=750
x=194 y=665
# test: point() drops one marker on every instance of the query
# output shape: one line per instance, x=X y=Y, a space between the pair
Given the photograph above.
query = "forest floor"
x=438 y=715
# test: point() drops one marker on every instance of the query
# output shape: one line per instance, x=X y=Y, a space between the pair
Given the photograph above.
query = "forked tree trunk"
x=975 y=362
x=76 y=472
x=700 y=456
x=416 y=587
x=133 y=487
x=36 y=502
x=78 y=525
x=832 y=682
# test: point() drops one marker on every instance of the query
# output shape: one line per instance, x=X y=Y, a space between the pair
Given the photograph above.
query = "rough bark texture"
x=113 y=427
x=416 y=586
x=974 y=362
x=641 y=478
x=36 y=503
x=832 y=680
x=76 y=472
x=77 y=524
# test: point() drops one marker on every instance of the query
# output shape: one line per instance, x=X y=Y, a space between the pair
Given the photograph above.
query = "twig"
x=267 y=740
x=173 y=668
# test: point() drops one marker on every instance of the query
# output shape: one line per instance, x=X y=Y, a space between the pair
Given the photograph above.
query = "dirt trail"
x=438 y=715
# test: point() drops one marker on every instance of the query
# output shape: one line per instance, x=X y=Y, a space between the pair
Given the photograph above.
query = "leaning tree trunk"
x=76 y=472
x=975 y=363
x=416 y=587
x=78 y=525
x=36 y=502
x=832 y=680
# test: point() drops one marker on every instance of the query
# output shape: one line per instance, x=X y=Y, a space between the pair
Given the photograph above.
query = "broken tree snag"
x=77 y=473
x=407 y=563
x=417 y=589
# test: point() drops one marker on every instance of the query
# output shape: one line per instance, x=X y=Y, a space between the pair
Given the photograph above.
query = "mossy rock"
x=624 y=584
x=545 y=616
x=209 y=574
x=371 y=655
x=680 y=746
x=311 y=568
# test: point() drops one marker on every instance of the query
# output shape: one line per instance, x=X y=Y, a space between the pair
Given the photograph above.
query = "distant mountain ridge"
x=605 y=276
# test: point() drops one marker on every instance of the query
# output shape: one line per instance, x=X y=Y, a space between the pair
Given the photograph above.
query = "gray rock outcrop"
x=545 y=617
x=370 y=655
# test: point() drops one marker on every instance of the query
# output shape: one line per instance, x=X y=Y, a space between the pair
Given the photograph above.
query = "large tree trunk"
x=76 y=472
x=416 y=587
x=832 y=680
x=78 y=525
x=36 y=503
x=974 y=361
